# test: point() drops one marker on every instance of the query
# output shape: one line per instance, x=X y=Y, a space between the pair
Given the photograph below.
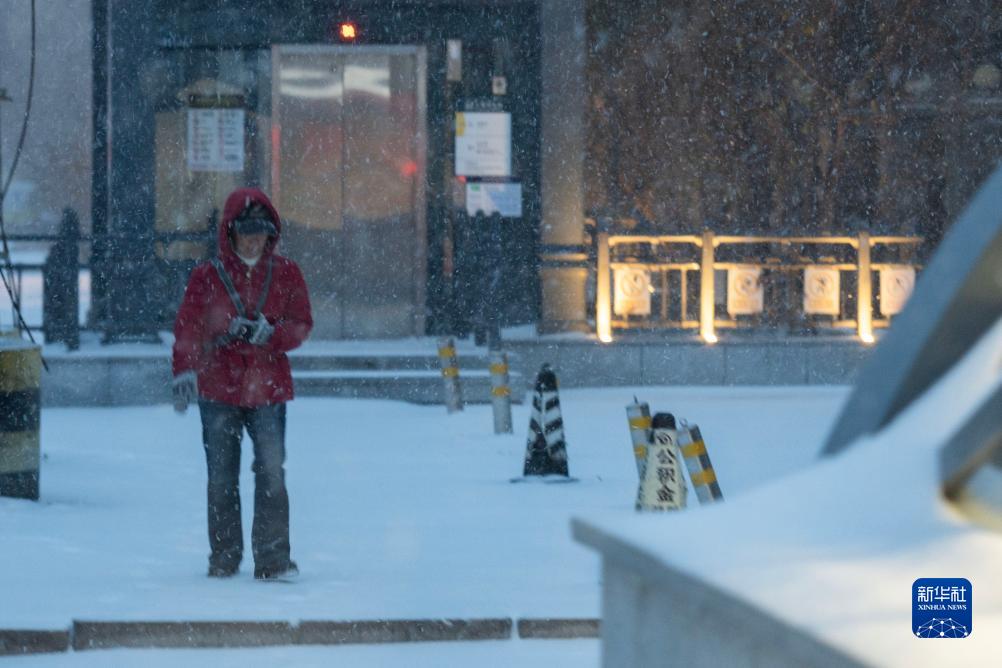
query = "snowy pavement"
x=398 y=511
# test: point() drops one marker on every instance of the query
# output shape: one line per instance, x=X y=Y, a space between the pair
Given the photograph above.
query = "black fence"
x=109 y=259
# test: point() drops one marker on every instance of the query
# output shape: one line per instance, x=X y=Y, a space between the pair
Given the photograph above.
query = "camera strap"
x=235 y=298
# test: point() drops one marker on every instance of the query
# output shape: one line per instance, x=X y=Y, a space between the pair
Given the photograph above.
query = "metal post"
x=603 y=292
x=697 y=461
x=638 y=416
x=500 y=392
x=20 y=410
x=707 y=295
x=864 y=305
x=450 y=374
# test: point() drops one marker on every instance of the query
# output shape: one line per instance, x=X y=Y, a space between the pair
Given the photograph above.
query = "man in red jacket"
x=242 y=312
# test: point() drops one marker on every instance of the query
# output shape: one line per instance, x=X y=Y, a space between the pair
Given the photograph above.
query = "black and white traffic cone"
x=545 y=448
x=638 y=416
x=697 y=462
x=662 y=486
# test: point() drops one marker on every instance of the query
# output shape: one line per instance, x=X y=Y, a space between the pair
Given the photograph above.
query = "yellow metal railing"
x=707 y=243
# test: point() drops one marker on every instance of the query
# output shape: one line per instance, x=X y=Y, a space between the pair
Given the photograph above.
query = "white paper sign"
x=821 y=291
x=483 y=143
x=896 y=285
x=216 y=140
x=503 y=198
x=632 y=291
x=744 y=291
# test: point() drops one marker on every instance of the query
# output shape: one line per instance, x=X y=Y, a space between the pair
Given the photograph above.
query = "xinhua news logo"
x=941 y=608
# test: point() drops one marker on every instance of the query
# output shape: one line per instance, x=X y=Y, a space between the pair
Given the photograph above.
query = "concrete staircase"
x=407 y=377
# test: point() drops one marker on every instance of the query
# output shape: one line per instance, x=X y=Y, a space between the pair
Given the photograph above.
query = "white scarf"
x=249 y=261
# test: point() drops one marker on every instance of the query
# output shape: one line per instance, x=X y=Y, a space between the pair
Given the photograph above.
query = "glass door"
x=348 y=164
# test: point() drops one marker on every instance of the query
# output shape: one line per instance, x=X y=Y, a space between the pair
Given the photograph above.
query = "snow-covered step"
x=375 y=362
x=422 y=386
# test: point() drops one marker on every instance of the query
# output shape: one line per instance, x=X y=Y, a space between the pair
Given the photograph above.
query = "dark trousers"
x=222 y=429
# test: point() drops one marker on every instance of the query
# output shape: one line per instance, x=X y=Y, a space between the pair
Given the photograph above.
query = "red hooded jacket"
x=238 y=373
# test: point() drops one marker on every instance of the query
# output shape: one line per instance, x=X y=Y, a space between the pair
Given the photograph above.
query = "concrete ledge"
x=656 y=615
x=558 y=628
x=33 y=642
x=88 y=635
x=110 y=379
x=974 y=445
x=105 y=635
x=405 y=630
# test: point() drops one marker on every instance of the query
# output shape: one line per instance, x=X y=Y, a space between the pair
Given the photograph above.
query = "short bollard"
x=697 y=462
x=662 y=486
x=20 y=376
x=450 y=374
x=638 y=416
x=500 y=392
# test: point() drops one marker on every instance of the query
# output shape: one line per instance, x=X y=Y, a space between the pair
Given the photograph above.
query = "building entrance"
x=348 y=146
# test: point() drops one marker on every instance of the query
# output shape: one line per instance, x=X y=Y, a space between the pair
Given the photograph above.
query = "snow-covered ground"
x=398 y=511
x=835 y=548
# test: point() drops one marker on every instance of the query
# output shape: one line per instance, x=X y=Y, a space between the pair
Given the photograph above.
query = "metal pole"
x=864 y=305
x=500 y=392
x=707 y=295
x=697 y=461
x=603 y=292
x=638 y=416
x=450 y=374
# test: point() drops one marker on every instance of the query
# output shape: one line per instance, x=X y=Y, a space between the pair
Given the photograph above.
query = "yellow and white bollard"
x=500 y=392
x=697 y=462
x=20 y=416
x=450 y=373
x=638 y=416
x=662 y=486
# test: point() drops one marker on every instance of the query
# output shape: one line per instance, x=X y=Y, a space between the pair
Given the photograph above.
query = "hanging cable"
x=7 y=271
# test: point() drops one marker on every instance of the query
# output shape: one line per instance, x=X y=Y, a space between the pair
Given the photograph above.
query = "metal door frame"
x=420 y=197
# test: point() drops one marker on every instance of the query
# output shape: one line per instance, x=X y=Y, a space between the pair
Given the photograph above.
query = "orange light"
x=348 y=31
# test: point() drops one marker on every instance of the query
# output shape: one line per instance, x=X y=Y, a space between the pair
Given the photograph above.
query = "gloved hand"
x=262 y=331
x=184 y=390
x=241 y=329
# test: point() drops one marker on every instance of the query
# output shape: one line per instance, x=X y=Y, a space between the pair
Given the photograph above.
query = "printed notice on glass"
x=216 y=140
x=483 y=144
x=503 y=198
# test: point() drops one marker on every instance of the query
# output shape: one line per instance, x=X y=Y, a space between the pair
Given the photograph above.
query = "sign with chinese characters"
x=483 y=143
x=632 y=291
x=216 y=140
x=744 y=291
x=662 y=486
x=821 y=291
x=503 y=198
x=896 y=285
x=941 y=608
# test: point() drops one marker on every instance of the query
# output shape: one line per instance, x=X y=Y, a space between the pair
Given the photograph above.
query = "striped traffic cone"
x=662 y=486
x=545 y=448
x=697 y=462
